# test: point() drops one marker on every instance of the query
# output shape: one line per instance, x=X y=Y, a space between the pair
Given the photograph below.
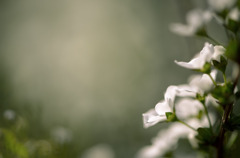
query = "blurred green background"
x=88 y=69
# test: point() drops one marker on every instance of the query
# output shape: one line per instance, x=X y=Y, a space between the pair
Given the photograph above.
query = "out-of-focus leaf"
x=12 y=145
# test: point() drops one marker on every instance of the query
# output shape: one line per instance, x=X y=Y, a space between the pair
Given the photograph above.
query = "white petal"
x=162 y=107
x=150 y=118
x=187 y=91
x=200 y=59
x=220 y=5
x=150 y=151
x=234 y=14
x=203 y=82
x=218 y=52
x=170 y=95
x=187 y=107
x=182 y=30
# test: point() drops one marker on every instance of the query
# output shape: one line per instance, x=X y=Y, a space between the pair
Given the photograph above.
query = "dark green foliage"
x=224 y=93
x=205 y=136
x=233 y=123
x=233 y=51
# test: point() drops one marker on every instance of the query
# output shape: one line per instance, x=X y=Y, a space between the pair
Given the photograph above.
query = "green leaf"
x=205 y=136
x=12 y=145
x=233 y=25
x=233 y=123
x=233 y=51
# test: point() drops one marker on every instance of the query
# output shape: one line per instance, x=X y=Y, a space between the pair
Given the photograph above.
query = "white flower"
x=99 y=151
x=234 y=14
x=166 y=140
x=199 y=61
x=150 y=118
x=207 y=54
x=218 y=52
x=151 y=151
x=9 y=114
x=202 y=83
x=195 y=19
x=61 y=135
x=163 y=107
x=220 y=5
x=167 y=104
x=186 y=108
x=211 y=101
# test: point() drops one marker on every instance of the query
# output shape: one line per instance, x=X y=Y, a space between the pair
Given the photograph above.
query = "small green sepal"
x=220 y=65
x=171 y=117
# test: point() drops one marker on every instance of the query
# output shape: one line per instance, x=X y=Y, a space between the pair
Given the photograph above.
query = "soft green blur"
x=87 y=70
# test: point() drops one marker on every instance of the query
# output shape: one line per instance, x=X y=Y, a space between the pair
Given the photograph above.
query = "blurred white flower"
x=211 y=101
x=220 y=5
x=202 y=83
x=150 y=118
x=99 y=151
x=166 y=140
x=186 y=108
x=61 y=135
x=218 y=52
x=200 y=59
x=9 y=114
x=151 y=151
x=234 y=14
x=195 y=19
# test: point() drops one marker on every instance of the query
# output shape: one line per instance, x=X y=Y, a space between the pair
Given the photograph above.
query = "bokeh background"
x=76 y=75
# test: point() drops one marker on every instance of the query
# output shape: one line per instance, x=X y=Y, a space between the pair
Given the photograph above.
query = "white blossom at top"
x=220 y=5
x=195 y=19
x=207 y=54
x=200 y=59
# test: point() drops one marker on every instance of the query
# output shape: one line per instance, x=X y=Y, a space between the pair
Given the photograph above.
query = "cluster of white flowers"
x=181 y=101
x=187 y=105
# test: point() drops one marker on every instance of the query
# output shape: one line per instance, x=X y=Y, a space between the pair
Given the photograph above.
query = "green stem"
x=187 y=125
x=224 y=78
x=209 y=121
x=214 y=82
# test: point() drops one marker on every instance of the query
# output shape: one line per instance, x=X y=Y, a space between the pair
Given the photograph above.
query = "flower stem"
x=214 y=82
x=224 y=78
x=209 y=121
x=225 y=117
x=187 y=125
